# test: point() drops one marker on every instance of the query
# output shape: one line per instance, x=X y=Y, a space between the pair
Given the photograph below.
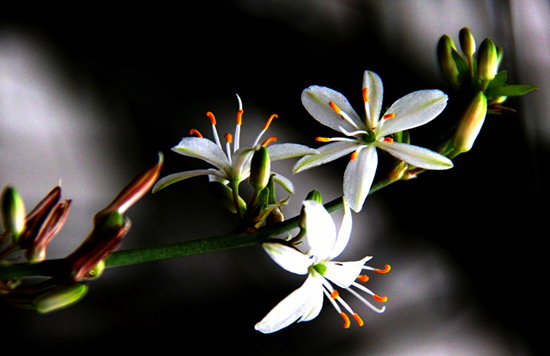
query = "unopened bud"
x=467 y=42
x=448 y=67
x=260 y=169
x=12 y=212
x=315 y=196
x=225 y=195
x=96 y=271
x=61 y=296
x=487 y=62
x=500 y=53
x=470 y=123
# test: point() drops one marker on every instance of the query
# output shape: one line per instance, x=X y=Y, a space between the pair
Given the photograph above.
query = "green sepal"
x=224 y=194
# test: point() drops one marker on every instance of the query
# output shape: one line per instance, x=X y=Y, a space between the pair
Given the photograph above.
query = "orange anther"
x=334 y=294
x=334 y=107
x=212 y=118
x=366 y=95
x=358 y=319
x=240 y=117
x=269 y=121
x=362 y=278
x=388 y=116
x=380 y=299
x=268 y=140
x=193 y=131
x=386 y=269
x=354 y=155
x=322 y=139
x=347 y=323
x=388 y=139
x=228 y=137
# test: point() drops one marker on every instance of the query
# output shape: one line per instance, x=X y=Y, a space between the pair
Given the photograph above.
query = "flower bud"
x=470 y=123
x=12 y=212
x=500 y=53
x=487 y=62
x=61 y=296
x=315 y=196
x=260 y=169
x=467 y=42
x=225 y=195
x=447 y=64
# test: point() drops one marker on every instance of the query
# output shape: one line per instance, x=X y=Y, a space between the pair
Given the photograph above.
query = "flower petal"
x=289 y=150
x=412 y=110
x=320 y=230
x=284 y=182
x=375 y=93
x=204 y=149
x=316 y=101
x=358 y=177
x=416 y=156
x=343 y=234
x=304 y=303
x=343 y=274
x=176 y=177
x=287 y=257
x=327 y=153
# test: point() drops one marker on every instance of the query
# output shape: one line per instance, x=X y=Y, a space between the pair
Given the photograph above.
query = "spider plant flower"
x=305 y=303
x=231 y=161
x=363 y=137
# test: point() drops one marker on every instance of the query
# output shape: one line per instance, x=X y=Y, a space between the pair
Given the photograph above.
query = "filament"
x=196 y=132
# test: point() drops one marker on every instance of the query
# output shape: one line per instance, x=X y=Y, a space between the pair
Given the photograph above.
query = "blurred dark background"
x=90 y=96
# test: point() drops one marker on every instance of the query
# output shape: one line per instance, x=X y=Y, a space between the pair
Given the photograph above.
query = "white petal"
x=288 y=258
x=343 y=234
x=289 y=150
x=176 y=177
x=204 y=149
x=343 y=274
x=284 y=182
x=416 y=156
x=358 y=177
x=327 y=153
x=316 y=101
x=320 y=230
x=414 y=109
x=375 y=93
x=304 y=303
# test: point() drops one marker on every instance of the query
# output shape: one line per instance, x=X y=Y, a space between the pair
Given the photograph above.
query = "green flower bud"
x=500 y=53
x=315 y=196
x=61 y=296
x=487 y=62
x=447 y=64
x=225 y=195
x=260 y=169
x=470 y=123
x=96 y=271
x=467 y=42
x=12 y=212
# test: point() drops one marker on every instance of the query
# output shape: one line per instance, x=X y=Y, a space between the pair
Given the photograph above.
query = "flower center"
x=369 y=137
x=320 y=268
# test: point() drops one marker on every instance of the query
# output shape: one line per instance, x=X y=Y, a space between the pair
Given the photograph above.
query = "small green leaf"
x=497 y=83
x=513 y=90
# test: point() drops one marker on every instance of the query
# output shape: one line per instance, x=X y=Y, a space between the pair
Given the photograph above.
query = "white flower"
x=332 y=109
x=305 y=303
x=232 y=165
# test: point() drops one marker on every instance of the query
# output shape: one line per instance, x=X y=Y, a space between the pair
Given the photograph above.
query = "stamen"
x=240 y=117
x=358 y=319
x=193 y=131
x=334 y=294
x=353 y=133
x=212 y=118
x=322 y=139
x=228 y=137
x=238 y=127
x=366 y=302
x=268 y=140
x=366 y=95
x=354 y=155
x=334 y=107
x=388 y=116
x=347 y=323
x=269 y=121
x=386 y=269
x=380 y=299
x=363 y=278
x=388 y=139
